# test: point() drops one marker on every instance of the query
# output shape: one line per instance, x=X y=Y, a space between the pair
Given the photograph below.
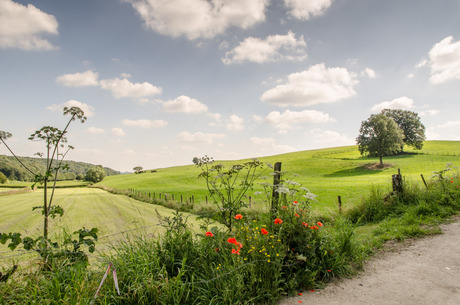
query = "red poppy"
x=236 y=251
x=320 y=223
x=238 y=216
x=300 y=293
x=305 y=224
x=295 y=202
x=209 y=234
x=314 y=228
x=263 y=231
x=297 y=215
x=284 y=207
x=278 y=221
x=232 y=240
x=329 y=270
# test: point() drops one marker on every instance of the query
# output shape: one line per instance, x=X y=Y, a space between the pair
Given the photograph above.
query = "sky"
x=163 y=81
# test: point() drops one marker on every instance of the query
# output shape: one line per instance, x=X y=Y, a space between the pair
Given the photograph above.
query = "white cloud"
x=289 y=120
x=368 y=72
x=426 y=113
x=402 y=102
x=445 y=61
x=316 y=85
x=449 y=124
x=268 y=145
x=22 y=27
x=87 y=109
x=184 y=104
x=329 y=138
x=199 y=18
x=304 y=9
x=234 y=123
x=199 y=137
x=94 y=130
x=122 y=88
x=272 y=48
x=87 y=78
x=145 y=123
x=118 y=131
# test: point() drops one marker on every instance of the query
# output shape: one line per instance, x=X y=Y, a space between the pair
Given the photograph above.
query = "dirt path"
x=427 y=271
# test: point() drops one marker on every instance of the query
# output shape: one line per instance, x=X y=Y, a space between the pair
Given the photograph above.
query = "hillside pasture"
x=328 y=173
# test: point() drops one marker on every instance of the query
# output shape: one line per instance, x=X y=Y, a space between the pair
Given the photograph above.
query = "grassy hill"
x=328 y=173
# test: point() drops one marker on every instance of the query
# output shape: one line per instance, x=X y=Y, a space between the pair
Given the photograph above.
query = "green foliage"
x=229 y=186
x=3 y=178
x=410 y=124
x=380 y=135
x=95 y=174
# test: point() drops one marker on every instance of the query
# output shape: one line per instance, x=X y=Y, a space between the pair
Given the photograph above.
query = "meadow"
x=186 y=260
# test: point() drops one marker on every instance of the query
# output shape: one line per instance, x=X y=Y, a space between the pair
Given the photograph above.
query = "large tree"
x=380 y=135
x=95 y=174
x=412 y=127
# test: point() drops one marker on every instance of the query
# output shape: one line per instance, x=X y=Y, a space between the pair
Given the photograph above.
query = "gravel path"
x=426 y=271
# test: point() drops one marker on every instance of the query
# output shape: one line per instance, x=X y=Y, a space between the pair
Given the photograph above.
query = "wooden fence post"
x=424 y=182
x=275 y=193
x=340 y=204
x=397 y=182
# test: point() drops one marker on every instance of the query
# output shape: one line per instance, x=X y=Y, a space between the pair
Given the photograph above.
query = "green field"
x=115 y=216
x=328 y=173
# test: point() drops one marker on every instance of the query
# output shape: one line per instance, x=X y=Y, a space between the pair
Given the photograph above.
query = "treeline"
x=13 y=170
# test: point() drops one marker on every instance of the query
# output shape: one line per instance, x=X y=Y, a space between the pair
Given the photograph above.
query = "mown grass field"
x=115 y=216
x=328 y=173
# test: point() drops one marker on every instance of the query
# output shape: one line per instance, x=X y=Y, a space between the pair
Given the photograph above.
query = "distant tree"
x=80 y=177
x=137 y=169
x=3 y=178
x=95 y=174
x=379 y=135
x=412 y=127
x=195 y=160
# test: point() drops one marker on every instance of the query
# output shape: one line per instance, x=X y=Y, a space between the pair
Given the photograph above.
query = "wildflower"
x=329 y=270
x=264 y=231
x=300 y=293
x=295 y=202
x=312 y=290
x=209 y=234
x=278 y=221
x=284 y=207
x=314 y=228
x=232 y=240
x=305 y=224
x=238 y=216
x=236 y=251
x=297 y=215
x=217 y=249
x=320 y=223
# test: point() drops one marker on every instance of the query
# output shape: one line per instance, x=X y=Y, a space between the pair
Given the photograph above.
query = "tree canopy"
x=95 y=174
x=380 y=135
x=412 y=127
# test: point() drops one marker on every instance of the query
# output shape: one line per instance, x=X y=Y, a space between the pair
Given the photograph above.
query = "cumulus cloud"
x=145 y=123
x=199 y=137
x=330 y=138
x=402 y=102
x=289 y=120
x=87 y=78
x=272 y=48
x=234 y=123
x=87 y=109
x=204 y=18
x=22 y=27
x=305 y=9
x=184 y=104
x=123 y=88
x=118 y=131
x=368 y=72
x=316 y=85
x=431 y=112
x=95 y=130
x=445 y=61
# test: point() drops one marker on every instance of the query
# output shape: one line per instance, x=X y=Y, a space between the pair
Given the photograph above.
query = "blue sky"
x=163 y=81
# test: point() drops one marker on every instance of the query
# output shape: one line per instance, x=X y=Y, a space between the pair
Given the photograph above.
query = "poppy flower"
x=305 y=224
x=232 y=240
x=314 y=227
x=238 y=216
x=295 y=202
x=278 y=221
x=209 y=234
x=297 y=215
x=236 y=251
x=263 y=231
x=284 y=207
x=300 y=293
x=320 y=223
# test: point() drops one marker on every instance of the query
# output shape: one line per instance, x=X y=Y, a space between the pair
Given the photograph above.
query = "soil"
x=418 y=272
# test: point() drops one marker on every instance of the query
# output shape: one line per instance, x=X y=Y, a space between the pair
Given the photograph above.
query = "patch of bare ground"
x=417 y=272
x=377 y=166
